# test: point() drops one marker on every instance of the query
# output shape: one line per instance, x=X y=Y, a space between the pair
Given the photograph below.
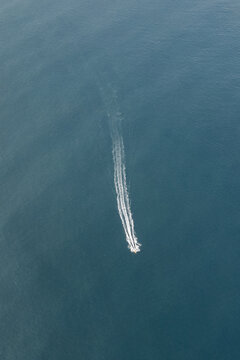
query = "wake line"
x=120 y=183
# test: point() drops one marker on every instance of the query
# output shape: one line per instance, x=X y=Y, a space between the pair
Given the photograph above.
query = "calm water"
x=69 y=287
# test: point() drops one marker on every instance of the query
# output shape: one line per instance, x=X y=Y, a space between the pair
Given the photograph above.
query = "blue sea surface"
x=70 y=289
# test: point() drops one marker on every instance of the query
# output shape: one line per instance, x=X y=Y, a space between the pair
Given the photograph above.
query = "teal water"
x=69 y=286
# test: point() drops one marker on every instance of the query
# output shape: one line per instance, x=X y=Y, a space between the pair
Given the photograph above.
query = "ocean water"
x=69 y=286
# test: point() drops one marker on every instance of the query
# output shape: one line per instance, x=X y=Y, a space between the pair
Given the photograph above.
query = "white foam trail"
x=120 y=183
x=109 y=98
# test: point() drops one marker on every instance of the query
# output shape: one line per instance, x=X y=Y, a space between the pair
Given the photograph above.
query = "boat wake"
x=122 y=194
x=123 y=202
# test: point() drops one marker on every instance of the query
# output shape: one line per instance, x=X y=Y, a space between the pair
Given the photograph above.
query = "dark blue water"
x=69 y=287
